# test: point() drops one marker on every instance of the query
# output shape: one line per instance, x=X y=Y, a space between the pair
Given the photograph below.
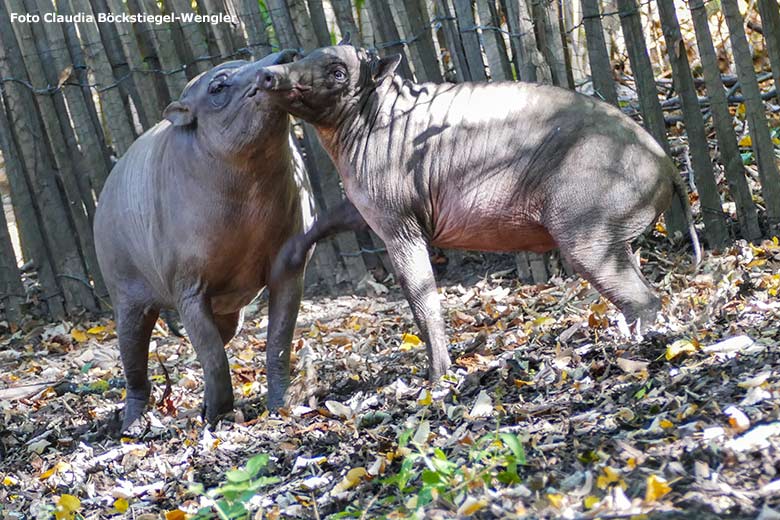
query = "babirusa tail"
x=682 y=195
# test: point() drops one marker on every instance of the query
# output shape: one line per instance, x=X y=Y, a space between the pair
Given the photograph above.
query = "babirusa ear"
x=287 y=56
x=345 y=39
x=384 y=67
x=179 y=114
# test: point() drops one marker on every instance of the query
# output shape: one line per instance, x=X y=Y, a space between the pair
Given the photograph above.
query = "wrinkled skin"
x=491 y=167
x=192 y=217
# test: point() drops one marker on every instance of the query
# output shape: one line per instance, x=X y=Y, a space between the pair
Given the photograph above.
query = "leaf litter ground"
x=552 y=409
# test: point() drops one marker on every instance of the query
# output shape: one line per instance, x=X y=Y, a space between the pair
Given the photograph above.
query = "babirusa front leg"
x=292 y=257
x=415 y=275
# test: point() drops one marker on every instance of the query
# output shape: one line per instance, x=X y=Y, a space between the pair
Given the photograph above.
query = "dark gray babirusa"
x=483 y=166
x=192 y=217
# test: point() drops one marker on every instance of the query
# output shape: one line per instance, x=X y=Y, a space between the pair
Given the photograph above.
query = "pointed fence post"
x=730 y=157
x=755 y=115
x=598 y=57
x=715 y=228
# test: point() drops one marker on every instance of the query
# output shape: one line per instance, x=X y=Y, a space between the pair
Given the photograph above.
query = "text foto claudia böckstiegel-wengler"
x=156 y=19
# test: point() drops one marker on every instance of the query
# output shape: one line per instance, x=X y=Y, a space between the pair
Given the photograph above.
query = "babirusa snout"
x=281 y=78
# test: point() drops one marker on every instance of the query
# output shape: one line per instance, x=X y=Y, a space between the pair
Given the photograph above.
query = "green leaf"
x=431 y=477
x=263 y=482
x=233 y=509
x=348 y=513
x=588 y=457
x=403 y=438
x=509 y=476
x=513 y=443
x=229 y=491
x=372 y=419
x=443 y=466
x=204 y=512
x=237 y=475
x=406 y=474
x=257 y=464
x=424 y=497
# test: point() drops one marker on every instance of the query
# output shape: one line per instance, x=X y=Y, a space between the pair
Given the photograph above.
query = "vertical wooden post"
x=257 y=37
x=237 y=37
x=144 y=82
x=89 y=140
x=81 y=75
x=529 y=62
x=367 y=31
x=148 y=47
x=193 y=37
x=564 y=41
x=754 y=112
x=302 y=24
x=470 y=39
x=11 y=288
x=574 y=34
x=549 y=39
x=43 y=70
x=346 y=21
x=652 y=115
x=422 y=50
x=112 y=48
x=643 y=71
x=770 y=20
x=495 y=50
x=67 y=160
x=711 y=206
x=162 y=39
x=452 y=41
x=387 y=32
x=283 y=25
x=600 y=67
x=319 y=22
x=116 y=118
x=220 y=30
x=58 y=245
x=21 y=200
x=722 y=119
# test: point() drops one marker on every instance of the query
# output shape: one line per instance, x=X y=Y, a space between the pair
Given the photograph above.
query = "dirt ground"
x=681 y=423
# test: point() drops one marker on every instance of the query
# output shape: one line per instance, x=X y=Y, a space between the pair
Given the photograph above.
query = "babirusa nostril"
x=268 y=80
x=264 y=79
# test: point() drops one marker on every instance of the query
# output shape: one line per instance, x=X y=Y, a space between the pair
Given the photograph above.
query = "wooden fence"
x=76 y=93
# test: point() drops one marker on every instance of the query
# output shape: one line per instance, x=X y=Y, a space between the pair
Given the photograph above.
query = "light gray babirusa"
x=485 y=166
x=192 y=218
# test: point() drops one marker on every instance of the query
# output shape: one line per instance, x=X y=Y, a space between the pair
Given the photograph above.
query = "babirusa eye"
x=216 y=87
x=339 y=75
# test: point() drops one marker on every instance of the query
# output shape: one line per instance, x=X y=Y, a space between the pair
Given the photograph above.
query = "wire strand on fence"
x=623 y=14
x=433 y=24
x=53 y=89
